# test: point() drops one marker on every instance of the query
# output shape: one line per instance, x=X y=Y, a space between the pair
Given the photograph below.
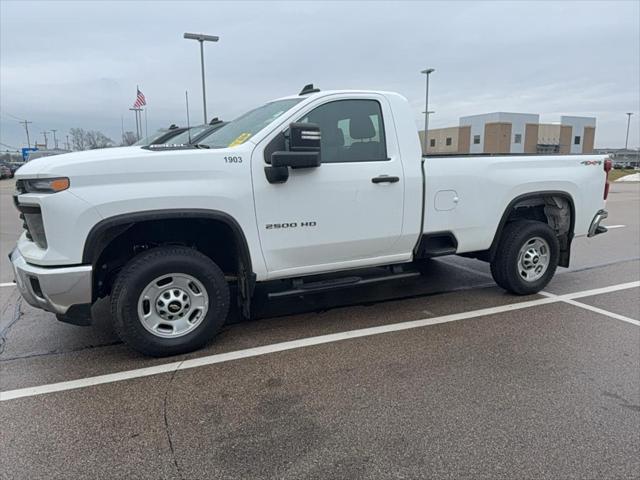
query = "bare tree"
x=78 y=139
x=89 y=139
x=96 y=139
x=128 y=138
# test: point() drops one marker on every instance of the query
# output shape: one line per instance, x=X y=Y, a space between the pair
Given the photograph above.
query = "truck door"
x=345 y=213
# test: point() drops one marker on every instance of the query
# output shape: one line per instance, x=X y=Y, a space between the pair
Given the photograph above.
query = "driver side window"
x=352 y=131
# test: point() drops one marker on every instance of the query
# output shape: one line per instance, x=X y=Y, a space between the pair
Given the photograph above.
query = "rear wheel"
x=169 y=300
x=527 y=257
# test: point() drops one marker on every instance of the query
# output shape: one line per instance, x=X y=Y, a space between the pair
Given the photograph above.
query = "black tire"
x=143 y=269
x=505 y=268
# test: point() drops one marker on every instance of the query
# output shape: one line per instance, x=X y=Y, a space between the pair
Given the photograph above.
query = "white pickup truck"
x=308 y=188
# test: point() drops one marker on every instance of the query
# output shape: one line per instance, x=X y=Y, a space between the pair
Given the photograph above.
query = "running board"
x=302 y=288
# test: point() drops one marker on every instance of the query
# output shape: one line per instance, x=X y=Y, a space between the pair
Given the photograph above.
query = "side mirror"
x=303 y=152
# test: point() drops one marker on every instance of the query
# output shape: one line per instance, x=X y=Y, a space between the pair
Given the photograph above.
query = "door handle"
x=385 y=179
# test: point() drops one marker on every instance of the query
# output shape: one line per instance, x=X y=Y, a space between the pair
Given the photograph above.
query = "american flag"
x=140 y=100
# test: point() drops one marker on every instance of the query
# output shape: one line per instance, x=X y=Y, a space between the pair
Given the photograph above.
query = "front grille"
x=31 y=217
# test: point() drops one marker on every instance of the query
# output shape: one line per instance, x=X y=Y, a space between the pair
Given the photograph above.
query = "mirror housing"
x=295 y=159
x=303 y=152
x=304 y=137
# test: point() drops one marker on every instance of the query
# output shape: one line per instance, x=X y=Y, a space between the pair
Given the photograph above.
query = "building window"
x=476 y=139
x=518 y=138
x=448 y=141
x=576 y=140
x=432 y=142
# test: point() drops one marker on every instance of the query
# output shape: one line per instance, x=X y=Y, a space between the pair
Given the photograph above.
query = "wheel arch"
x=525 y=200
x=110 y=229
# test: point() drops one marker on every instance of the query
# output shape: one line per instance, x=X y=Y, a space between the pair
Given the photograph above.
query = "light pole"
x=427 y=72
x=200 y=37
x=626 y=142
x=428 y=114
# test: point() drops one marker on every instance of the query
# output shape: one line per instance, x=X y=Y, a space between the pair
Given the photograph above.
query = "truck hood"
x=65 y=163
x=126 y=161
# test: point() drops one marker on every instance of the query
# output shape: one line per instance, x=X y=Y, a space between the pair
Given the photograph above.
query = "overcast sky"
x=77 y=64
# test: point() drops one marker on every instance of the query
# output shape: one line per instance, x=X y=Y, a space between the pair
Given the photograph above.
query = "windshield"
x=245 y=126
x=186 y=136
x=151 y=138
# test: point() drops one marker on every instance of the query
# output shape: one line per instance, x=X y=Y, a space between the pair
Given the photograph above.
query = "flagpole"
x=138 y=116
x=146 y=124
x=137 y=129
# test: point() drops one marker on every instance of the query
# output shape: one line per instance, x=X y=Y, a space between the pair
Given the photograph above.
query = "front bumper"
x=595 y=228
x=54 y=289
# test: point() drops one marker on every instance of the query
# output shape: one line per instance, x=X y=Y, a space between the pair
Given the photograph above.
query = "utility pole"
x=200 y=37
x=68 y=145
x=427 y=72
x=46 y=145
x=55 y=140
x=26 y=127
x=626 y=142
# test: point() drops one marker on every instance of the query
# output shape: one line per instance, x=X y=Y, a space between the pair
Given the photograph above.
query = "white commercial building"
x=499 y=130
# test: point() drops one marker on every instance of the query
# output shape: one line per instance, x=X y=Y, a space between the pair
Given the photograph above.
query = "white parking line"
x=10 y=284
x=601 y=311
x=295 y=344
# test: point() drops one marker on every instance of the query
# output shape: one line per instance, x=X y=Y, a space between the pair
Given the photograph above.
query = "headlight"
x=45 y=185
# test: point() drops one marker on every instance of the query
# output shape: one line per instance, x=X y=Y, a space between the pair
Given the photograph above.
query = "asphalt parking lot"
x=444 y=376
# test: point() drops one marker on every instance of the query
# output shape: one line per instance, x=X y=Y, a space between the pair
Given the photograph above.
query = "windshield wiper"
x=174 y=146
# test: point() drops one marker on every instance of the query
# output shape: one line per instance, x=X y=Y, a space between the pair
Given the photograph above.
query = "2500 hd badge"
x=274 y=226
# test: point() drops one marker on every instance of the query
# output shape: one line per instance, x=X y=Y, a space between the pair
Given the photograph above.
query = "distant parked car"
x=5 y=171
x=161 y=136
x=14 y=166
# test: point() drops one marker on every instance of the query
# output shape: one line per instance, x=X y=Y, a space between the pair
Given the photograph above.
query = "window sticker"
x=240 y=139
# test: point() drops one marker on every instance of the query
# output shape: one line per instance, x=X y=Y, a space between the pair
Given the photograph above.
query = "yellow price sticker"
x=243 y=137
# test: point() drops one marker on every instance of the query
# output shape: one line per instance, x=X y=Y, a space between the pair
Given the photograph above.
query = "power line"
x=12 y=116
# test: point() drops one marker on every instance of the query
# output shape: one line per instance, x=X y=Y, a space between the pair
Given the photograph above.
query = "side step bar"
x=299 y=287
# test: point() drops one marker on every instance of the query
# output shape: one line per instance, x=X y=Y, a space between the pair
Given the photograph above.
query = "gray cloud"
x=77 y=64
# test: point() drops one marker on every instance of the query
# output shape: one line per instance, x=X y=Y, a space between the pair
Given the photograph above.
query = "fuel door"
x=446 y=200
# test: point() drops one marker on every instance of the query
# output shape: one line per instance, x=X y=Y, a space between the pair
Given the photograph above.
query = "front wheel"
x=527 y=257
x=169 y=300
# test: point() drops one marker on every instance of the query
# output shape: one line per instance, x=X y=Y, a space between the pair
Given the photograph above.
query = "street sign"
x=25 y=152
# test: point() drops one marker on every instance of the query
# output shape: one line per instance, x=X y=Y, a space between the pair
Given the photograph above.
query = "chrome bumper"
x=54 y=289
x=595 y=228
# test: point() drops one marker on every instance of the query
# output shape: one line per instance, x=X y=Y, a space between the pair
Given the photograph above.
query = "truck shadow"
x=438 y=277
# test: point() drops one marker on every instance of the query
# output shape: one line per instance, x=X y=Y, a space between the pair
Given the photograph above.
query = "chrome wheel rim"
x=173 y=305
x=533 y=259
